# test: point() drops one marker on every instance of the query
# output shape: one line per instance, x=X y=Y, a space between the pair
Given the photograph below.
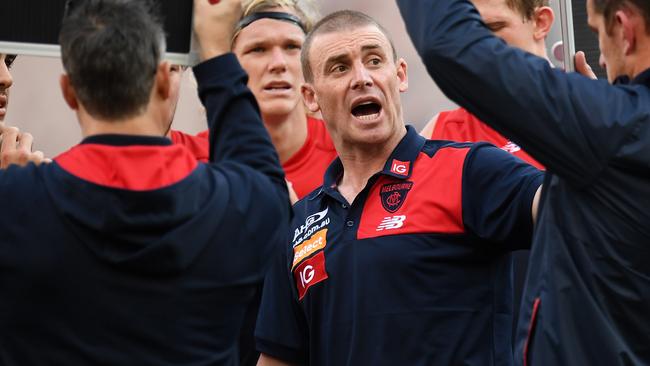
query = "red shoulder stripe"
x=431 y=204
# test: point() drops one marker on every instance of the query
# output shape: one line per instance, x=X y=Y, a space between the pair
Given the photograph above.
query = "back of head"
x=338 y=21
x=609 y=7
x=110 y=51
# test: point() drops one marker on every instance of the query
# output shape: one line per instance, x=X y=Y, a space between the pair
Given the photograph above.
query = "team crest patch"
x=393 y=195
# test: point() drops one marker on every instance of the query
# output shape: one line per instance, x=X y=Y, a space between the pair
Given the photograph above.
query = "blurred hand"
x=214 y=25
x=582 y=66
x=16 y=148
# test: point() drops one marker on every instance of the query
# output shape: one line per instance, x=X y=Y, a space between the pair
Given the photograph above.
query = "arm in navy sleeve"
x=240 y=147
x=281 y=330
x=571 y=124
x=498 y=193
x=236 y=129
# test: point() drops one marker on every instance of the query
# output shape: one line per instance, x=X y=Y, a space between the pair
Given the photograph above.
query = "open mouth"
x=277 y=87
x=367 y=111
x=3 y=104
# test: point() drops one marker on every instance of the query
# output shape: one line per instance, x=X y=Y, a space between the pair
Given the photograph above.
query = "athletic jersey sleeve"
x=198 y=145
x=498 y=191
x=572 y=125
x=281 y=330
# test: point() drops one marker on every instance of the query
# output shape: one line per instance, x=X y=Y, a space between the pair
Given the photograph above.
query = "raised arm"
x=565 y=121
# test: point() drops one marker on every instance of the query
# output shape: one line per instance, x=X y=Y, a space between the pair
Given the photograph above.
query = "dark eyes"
x=9 y=60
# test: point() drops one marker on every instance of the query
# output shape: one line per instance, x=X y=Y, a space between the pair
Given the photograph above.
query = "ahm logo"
x=391 y=222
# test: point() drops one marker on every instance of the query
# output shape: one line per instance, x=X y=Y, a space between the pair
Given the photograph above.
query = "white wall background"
x=36 y=104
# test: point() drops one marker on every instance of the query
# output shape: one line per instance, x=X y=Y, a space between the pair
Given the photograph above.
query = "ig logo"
x=400 y=167
x=306 y=275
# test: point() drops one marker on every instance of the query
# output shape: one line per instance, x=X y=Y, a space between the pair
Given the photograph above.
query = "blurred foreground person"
x=588 y=286
x=125 y=250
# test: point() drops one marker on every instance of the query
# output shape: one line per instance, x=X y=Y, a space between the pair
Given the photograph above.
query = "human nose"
x=5 y=76
x=361 y=77
x=278 y=61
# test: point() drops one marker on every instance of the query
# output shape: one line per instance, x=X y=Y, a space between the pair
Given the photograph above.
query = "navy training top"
x=414 y=272
x=126 y=251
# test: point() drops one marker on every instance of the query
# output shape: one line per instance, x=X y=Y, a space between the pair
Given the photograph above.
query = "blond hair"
x=304 y=9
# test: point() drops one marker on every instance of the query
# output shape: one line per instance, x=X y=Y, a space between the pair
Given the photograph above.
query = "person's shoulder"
x=432 y=147
x=198 y=144
x=20 y=180
x=458 y=116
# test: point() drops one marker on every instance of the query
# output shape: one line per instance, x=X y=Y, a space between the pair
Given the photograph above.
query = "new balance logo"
x=391 y=222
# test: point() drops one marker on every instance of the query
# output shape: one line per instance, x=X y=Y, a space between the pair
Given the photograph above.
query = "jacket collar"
x=643 y=78
x=398 y=165
x=126 y=140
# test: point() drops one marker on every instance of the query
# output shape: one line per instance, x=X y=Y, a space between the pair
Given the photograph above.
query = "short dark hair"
x=609 y=7
x=336 y=22
x=111 y=50
x=526 y=7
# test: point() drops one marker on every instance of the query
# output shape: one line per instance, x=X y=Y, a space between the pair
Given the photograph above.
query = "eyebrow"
x=371 y=47
x=334 y=60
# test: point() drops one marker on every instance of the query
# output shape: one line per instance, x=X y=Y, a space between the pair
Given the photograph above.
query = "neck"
x=540 y=50
x=142 y=124
x=642 y=61
x=288 y=132
x=362 y=162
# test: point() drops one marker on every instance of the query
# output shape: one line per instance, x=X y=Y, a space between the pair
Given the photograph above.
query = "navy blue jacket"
x=414 y=272
x=587 y=297
x=126 y=251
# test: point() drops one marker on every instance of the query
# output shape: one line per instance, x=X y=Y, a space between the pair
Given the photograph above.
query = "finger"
x=25 y=141
x=9 y=138
x=582 y=66
x=37 y=157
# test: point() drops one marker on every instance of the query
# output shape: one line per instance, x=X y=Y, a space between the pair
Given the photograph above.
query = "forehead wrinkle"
x=346 y=44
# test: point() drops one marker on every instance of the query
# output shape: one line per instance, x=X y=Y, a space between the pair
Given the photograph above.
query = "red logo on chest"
x=393 y=195
x=309 y=273
x=400 y=167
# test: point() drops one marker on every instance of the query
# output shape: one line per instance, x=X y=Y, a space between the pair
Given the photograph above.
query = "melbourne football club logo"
x=393 y=195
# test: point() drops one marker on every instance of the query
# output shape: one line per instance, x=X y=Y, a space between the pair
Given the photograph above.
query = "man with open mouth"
x=401 y=257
